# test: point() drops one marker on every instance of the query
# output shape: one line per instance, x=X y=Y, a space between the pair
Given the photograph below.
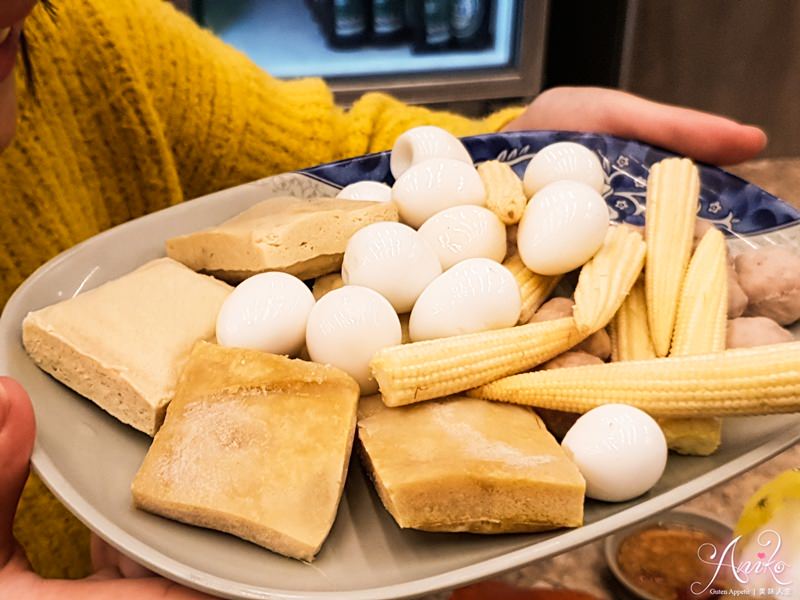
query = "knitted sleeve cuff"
x=376 y=120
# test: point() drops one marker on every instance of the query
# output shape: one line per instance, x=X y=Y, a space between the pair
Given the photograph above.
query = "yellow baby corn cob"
x=325 y=284
x=693 y=436
x=700 y=327
x=745 y=381
x=434 y=368
x=702 y=317
x=673 y=188
x=533 y=288
x=629 y=332
x=630 y=340
x=505 y=195
x=606 y=279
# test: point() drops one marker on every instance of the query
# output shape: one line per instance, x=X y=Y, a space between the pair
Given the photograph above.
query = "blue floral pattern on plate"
x=729 y=201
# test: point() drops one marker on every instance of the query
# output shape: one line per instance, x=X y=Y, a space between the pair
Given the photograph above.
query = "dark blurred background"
x=740 y=58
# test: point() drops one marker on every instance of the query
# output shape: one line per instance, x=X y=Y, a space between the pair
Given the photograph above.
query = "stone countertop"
x=585 y=568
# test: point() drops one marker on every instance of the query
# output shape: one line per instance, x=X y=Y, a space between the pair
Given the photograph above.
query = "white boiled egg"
x=477 y=294
x=563 y=160
x=421 y=143
x=433 y=185
x=562 y=227
x=374 y=191
x=266 y=312
x=347 y=326
x=392 y=259
x=620 y=451
x=463 y=232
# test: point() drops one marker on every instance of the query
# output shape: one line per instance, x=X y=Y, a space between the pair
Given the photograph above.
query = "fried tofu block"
x=301 y=236
x=256 y=445
x=124 y=344
x=470 y=465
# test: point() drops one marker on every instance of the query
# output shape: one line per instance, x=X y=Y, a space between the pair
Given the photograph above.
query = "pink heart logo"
x=762 y=555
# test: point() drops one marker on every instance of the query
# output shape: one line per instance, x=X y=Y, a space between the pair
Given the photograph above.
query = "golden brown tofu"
x=256 y=445
x=301 y=236
x=461 y=464
x=124 y=344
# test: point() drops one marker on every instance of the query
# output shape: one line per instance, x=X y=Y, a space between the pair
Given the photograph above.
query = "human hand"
x=702 y=136
x=115 y=576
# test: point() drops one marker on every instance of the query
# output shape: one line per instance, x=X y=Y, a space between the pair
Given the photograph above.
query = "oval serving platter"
x=88 y=458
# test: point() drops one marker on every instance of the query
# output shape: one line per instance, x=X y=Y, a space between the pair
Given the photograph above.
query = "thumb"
x=17 y=432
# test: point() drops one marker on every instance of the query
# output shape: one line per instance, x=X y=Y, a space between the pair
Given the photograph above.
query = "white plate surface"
x=89 y=459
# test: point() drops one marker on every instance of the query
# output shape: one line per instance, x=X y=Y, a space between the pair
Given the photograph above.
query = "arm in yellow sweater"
x=228 y=121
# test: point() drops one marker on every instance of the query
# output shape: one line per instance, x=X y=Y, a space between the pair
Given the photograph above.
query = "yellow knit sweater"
x=139 y=109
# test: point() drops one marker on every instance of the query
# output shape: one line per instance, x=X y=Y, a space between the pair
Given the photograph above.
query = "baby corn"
x=505 y=195
x=606 y=279
x=434 y=368
x=630 y=340
x=533 y=288
x=673 y=189
x=702 y=317
x=700 y=327
x=693 y=436
x=325 y=284
x=629 y=331
x=745 y=381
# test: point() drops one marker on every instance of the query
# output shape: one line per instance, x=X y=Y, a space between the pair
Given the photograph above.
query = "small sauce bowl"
x=657 y=559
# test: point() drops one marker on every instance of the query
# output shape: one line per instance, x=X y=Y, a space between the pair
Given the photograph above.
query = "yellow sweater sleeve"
x=228 y=121
x=138 y=109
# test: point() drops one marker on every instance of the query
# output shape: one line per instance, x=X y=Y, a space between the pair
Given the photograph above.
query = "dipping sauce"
x=663 y=561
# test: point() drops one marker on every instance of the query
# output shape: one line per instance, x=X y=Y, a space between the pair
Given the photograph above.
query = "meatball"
x=573 y=358
x=737 y=299
x=559 y=422
x=701 y=226
x=746 y=332
x=770 y=277
x=598 y=344
x=555 y=308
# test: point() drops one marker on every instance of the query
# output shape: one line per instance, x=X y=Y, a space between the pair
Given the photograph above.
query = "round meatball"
x=598 y=344
x=701 y=226
x=746 y=332
x=770 y=277
x=559 y=422
x=573 y=358
x=737 y=299
x=555 y=308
